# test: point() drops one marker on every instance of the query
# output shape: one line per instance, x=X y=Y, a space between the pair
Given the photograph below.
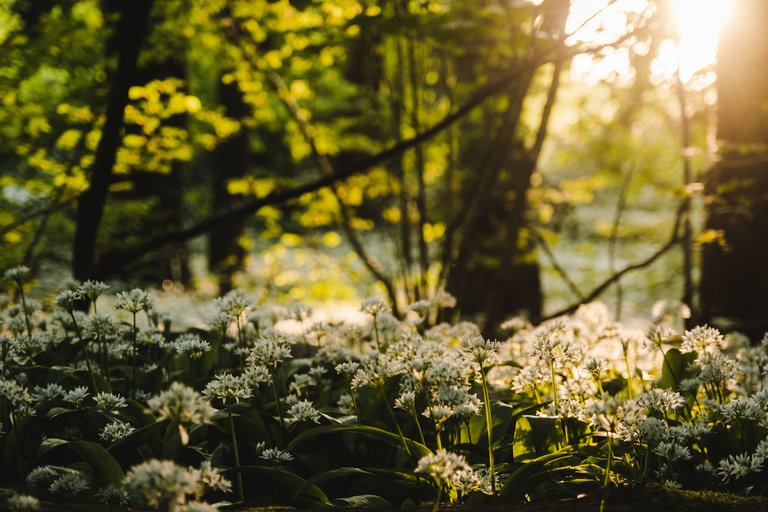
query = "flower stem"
x=240 y=489
x=394 y=420
x=488 y=427
x=85 y=352
x=439 y=495
x=607 y=471
x=134 y=343
x=277 y=398
x=24 y=307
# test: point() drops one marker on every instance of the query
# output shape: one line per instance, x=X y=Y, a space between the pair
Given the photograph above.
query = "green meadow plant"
x=95 y=409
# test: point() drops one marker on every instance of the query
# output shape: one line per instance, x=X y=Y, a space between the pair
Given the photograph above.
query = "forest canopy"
x=524 y=156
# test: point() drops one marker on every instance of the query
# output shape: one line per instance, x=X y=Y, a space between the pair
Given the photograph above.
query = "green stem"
x=27 y=322
x=488 y=427
x=394 y=420
x=554 y=385
x=439 y=495
x=277 y=398
x=607 y=471
x=418 y=426
x=85 y=352
x=240 y=489
x=630 y=393
x=134 y=344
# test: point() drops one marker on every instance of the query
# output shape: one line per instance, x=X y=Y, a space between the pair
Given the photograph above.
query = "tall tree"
x=735 y=272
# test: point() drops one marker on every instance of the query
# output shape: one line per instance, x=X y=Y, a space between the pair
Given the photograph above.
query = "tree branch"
x=673 y=240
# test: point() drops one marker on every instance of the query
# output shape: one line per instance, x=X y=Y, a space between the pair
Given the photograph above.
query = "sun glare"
x=697 y=24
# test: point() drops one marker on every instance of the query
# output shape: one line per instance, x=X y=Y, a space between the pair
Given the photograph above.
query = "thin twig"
x=673 y=240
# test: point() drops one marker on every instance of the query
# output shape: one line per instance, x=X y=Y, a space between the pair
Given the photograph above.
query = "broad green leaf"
x=105 y=468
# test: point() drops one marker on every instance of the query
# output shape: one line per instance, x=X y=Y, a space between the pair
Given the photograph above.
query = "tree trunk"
x=230 y=160
x=131 y=33
x=734 y=276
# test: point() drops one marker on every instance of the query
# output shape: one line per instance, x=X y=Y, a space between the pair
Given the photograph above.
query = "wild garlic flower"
x=66 y=300
x=701 y=339
x=347 y=368
x=93 y=289
x=444 y=466
x=276 y=456
x=438 y=413
x=303 y=410
x=211 y=478
x=233 y=305
x=41 y=477
x=134 y=301
x=567 y=408
x=406 y=401
x=659 y=335
x=113 y=495
x=191 y=346
x=17 y=274
x=746 y=408
x=23 y=502
x=672 y=451
x=76 y=396
x=115 y=430
x=481 y=351
x=374 y=307
x=101 y=327
x=270 y=349
x=660 y=401
x=51 y=391
x=716 y=369
x=161 y=485
x=69 y=484
x=554 y=349
x=255 y=375
x=739 y=466
x=300 y=312
x=109 y=403
x=227 y=388
x=595 y=367
x=181 y=404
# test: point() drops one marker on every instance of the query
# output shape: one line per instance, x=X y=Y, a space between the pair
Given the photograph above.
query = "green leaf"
x=418 y=450
x=105 y=468
x=288 y=487
x=529 y=475
x=535 y=435
x=675 y=368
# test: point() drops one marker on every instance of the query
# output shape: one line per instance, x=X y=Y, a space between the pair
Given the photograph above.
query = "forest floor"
x=650 y=499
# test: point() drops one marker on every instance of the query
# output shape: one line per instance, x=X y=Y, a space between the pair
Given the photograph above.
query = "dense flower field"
x=116 y=407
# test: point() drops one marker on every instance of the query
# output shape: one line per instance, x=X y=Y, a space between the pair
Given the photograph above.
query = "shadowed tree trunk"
x=734 y=279
x=230 y=160
x=131 y=33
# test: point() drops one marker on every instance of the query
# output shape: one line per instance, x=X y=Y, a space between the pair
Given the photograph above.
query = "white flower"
x=23 y=502
x=161 y=484
x=303 y=410
x=444 y=466
x=134 y=301
x=114 y=431
x=374 y=307
x=701 y=339
x=738 y=466
x=480 y=350
x=661 y=401
x=181 y=404
x=227 y=388
x=276 y=456
x=69 y=484
x=191 y=346
x=76 y=396
x=269 y=349
x=17 y=273
x=233 y=305
x=93 y=289
x=107 y=402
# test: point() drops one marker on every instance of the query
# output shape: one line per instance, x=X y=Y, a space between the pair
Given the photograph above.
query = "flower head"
x=181 y=404
x=134 y=301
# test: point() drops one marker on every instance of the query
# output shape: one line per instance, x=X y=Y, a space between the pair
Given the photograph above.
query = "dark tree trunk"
x=131 y=33
x=230 y=160
x=734 y=276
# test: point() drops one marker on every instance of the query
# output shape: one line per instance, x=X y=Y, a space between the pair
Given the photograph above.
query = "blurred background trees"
x=524 y=156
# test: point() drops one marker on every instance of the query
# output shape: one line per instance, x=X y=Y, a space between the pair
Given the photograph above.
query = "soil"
x=650 y=499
